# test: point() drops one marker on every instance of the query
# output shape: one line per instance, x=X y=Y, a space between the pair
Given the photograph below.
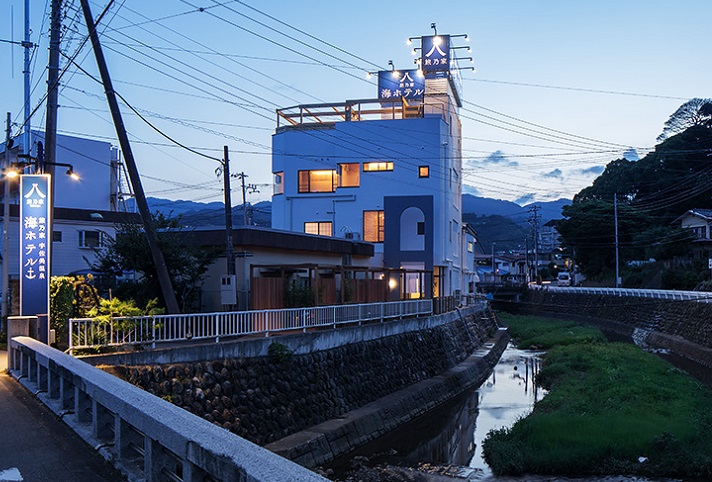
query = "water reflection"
x=452 y=434
x=508 y=394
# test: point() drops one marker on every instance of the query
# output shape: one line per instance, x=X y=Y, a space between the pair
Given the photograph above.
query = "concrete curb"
x=326 y=441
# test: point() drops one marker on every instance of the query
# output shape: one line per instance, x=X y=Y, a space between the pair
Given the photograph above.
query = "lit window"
x=279 y=183
x=470 y=247
x=424 y=171
x=373 y=226
x=92 y=239
x=322 y=228
x=349 y=175
x=317 y=181
x=377 y=166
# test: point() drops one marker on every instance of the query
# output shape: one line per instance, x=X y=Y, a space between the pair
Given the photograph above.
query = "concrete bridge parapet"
x=146 y=437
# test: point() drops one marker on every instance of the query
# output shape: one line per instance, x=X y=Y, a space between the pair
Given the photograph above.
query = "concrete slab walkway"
x=35 y=445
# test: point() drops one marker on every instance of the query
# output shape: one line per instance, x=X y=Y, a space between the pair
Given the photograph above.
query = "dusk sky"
x=560 y=89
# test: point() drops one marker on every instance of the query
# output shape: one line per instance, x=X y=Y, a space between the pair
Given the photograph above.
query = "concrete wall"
x=307 y=379
x=682 y=326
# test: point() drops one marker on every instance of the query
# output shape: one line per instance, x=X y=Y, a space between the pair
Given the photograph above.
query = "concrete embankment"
x=265 y=390
x=682 y=327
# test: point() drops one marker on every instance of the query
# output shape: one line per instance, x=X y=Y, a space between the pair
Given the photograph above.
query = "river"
x=446 y=443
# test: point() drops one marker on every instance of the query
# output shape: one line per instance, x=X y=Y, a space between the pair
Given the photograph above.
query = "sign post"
x=35 y=243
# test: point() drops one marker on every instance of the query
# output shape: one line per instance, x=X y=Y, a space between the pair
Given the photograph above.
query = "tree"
x=186 y=261
x=695 y=112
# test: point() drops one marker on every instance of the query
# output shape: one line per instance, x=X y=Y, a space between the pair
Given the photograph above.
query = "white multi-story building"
x=387 y=171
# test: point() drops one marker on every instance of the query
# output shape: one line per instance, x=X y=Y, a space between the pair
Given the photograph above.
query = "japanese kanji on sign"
x=409 y=84
x=436 y=53
x=35 y=244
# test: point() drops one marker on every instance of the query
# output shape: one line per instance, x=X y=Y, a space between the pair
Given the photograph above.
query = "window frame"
x=82 y=239
x=380 y=225
x=339 y=174
x=319 y=226
x=309 y=190
x=378 y=166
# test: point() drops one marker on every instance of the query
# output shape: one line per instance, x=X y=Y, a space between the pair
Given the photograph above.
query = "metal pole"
x=615 y=220
x=6 y=228
x=493 y=268
x=50 y=141
x=244 y=200
x=164 y=279
x=228 y=215
x=27 y=140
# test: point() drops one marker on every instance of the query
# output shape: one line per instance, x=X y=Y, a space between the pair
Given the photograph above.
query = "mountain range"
x=505 y=223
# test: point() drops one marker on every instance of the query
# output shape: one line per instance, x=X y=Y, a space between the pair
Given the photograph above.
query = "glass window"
x=317 y=181
x=279 y=183
x=421 y=228
x=322 y=228
x=349 y=175
x=57 y=236
x=373 y=226
x=424 y=171
x=470 y=247
x=377 y=166
x=91 y=239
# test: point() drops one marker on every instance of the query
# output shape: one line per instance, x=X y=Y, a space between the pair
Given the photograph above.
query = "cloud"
x=497 y=158
x=556 y=173
x=467 y=189
x=525 y=199
x=592 y=171
x=631 y=155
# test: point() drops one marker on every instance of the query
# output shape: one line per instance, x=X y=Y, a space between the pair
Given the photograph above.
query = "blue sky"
x=561 y=87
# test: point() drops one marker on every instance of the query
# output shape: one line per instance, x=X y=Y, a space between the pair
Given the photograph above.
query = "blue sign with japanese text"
x=409 y=84
x=436 y=53
x=35 y=244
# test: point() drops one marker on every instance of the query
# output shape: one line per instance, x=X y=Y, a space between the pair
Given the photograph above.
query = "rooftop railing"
x=349 y=111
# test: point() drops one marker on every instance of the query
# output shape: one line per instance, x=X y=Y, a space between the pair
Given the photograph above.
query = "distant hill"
x=480 y=211
x=483 y=206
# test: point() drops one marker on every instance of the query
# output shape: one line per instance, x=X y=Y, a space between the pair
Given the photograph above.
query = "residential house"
x=699 y=222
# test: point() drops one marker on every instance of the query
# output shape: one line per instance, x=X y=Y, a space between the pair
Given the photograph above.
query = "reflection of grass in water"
x=608 y=405
x=544 y=333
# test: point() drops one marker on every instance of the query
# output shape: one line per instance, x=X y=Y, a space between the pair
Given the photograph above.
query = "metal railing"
x=701 y=296
x=89 y=332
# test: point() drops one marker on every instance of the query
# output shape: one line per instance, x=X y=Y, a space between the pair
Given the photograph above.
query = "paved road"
x=36 y=446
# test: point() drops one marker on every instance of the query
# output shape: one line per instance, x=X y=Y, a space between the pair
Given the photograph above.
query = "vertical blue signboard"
x=35 y=244
x=436 y=53
x=409 y=84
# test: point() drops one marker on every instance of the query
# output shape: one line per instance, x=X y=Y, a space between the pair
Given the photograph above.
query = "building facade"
x=386 y=171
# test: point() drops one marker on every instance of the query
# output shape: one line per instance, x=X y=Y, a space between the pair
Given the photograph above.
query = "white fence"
x=88 y=332
x=701 y=296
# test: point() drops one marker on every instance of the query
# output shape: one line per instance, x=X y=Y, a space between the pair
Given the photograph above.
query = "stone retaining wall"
x=684 y=327
x=264 y=399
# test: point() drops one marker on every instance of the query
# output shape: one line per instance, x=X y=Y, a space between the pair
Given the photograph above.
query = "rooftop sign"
x=409 y=84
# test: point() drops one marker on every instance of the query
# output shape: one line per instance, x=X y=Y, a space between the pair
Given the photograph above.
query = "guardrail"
x=145 y=436
x=701 y=296
x=88 y=332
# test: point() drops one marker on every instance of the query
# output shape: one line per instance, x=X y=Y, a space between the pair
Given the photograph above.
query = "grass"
x=534 y=332
x=608 y=405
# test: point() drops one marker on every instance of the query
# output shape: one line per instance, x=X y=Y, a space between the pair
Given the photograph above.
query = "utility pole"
x=6 y=227
x=493 y=263
x=534 y=221
x=245 y=187
x=50 y=141
x=163 y=277
x=228 y=213
x=615 y=221
x=27 y=45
